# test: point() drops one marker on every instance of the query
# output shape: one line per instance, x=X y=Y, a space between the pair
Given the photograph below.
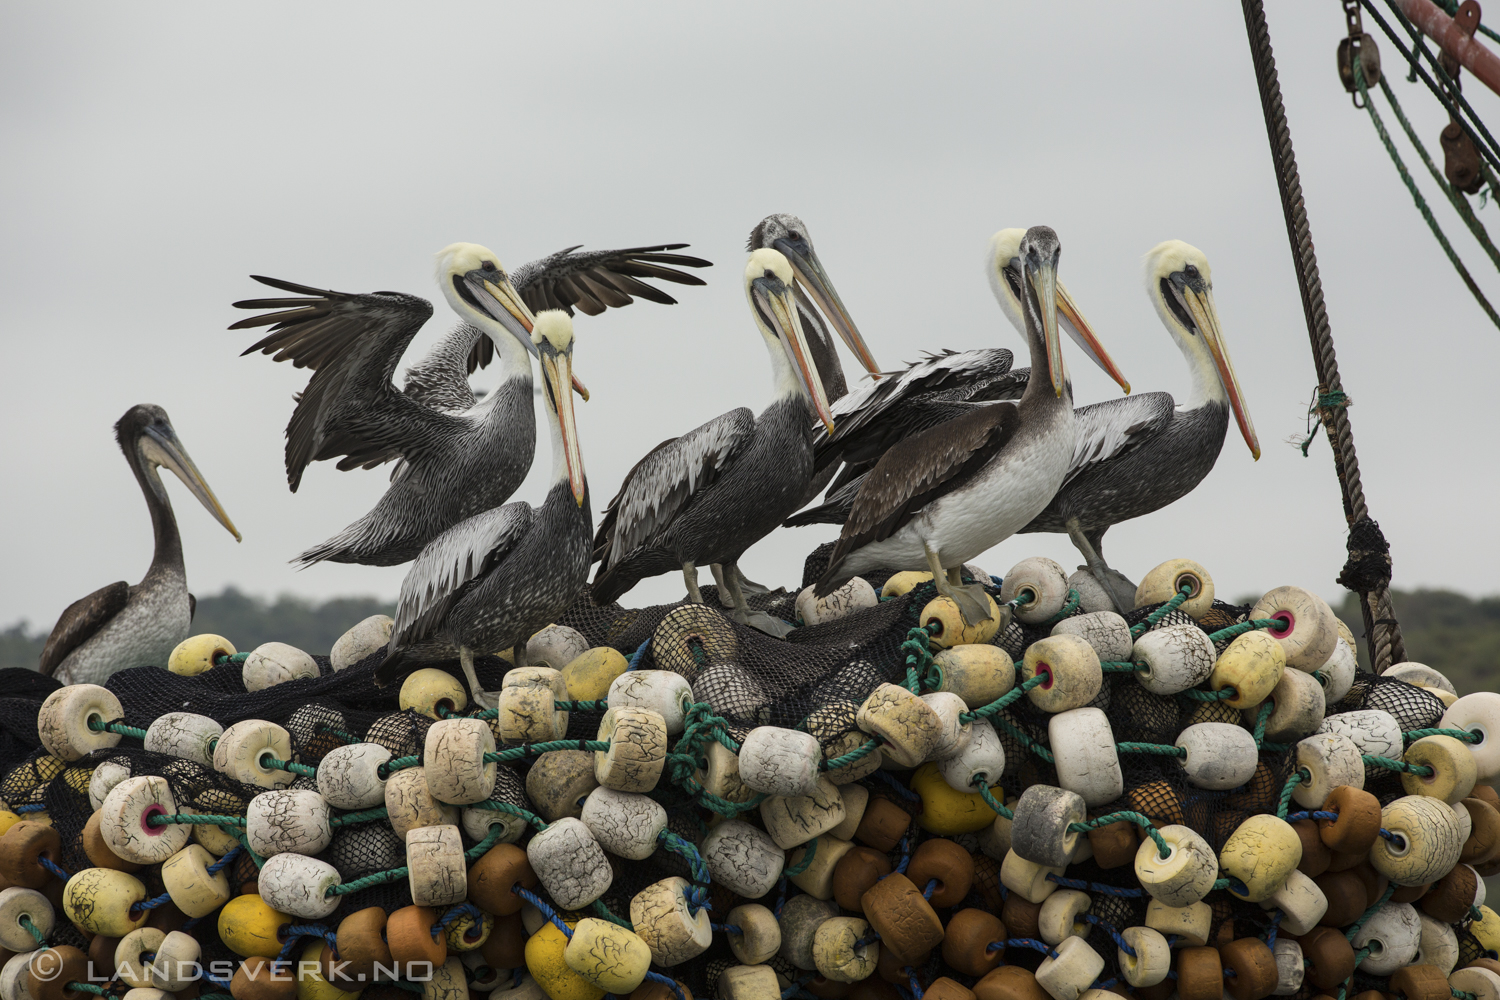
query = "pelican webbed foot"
x=1120 y=590
x=742 y=613
x=749 y=586
x=972 y=601
x=477 y=694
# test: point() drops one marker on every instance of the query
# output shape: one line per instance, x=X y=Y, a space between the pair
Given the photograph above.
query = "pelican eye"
x=488 y=265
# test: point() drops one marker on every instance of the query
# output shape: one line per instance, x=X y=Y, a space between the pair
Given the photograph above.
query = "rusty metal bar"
x=1454 y=41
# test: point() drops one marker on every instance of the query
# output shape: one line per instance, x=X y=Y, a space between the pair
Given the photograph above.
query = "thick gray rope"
x=1386 y=646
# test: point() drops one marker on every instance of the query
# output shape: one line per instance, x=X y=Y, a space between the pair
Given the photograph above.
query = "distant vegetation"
x=1455 y=634
x=243 y=620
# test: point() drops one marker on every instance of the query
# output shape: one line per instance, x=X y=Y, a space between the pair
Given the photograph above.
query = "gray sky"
x=157 y=154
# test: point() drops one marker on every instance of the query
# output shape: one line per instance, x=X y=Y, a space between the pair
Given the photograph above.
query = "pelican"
x=492 y=580
x=458 y=457
x=709 y=495
x=936 y=389
x=121 y=626
x=788 y=234
x=942 y=496
x=1138 y=454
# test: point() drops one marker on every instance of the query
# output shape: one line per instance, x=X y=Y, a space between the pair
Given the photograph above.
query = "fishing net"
x=742 y=678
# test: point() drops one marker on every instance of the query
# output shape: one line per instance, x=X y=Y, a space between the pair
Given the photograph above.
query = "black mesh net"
x=747 y=678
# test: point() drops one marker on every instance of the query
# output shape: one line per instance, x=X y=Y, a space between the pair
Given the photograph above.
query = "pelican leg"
x=742 y=613
x=970 y=598
x=724 y=596
x=690 y=577
x=478 y=694
x=1120 y=590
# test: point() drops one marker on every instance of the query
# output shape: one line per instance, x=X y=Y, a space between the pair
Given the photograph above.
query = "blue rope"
x=657 y=977
x=725 y=928
x=547 y=911
x=52 y=867
x=1109 y=890
x=905 y=847
x=685 y=849
x=911 y=977
x=460 y=910
x=1109 y=929
x=1315 y=814
x=697 y=898
x=1031 y=943
x=225 y=861
x=931 y=887
x=35 y=807
x=640 y=651
x=1276 y=916
x=901 y=789
x=150 y=904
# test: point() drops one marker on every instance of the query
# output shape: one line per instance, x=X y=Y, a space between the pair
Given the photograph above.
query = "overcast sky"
x=156 y=154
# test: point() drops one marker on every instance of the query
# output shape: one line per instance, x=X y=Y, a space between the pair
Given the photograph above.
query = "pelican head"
x=552 y=339
x=478 y=288
x=1003 y=268
x=768 y=286
x=1181 y=287
x=788 y=234
x=146 y=435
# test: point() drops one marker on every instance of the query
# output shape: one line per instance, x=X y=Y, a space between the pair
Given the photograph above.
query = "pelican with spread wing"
x=457 y=457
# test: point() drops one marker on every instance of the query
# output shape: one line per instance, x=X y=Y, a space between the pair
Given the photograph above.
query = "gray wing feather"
x=935 y=372
x=598 y=279
x=450 y=562
x=1114 y=426
x=440 y=381
x=662 y=483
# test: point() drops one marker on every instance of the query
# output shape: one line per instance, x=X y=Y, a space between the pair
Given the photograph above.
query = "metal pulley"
x=1357 y=45
x=1461 y=164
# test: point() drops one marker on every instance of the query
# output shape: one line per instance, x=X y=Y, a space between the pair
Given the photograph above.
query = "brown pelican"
x=709 y=495
x=492 y=580
x=121 y=626
x=1138 y=454
x=788 y=234
x=457 y=457
x=942 y=496
x=942 y=386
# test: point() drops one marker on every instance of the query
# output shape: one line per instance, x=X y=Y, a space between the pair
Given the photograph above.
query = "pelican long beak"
x=163 y=447
x=1200 y=305
x=557 y=370
x=1044 y=284
x=781 y=309
x=501 y=300
x=1083 y=335
x=810 y=274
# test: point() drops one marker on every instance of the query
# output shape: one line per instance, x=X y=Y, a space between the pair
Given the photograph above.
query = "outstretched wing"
x=1115 y=426
x=440 y=380
x=660 y=485
x=350 y=409
x=921 y=469
x=450 y=563
x=80 y=621
x=596 y=280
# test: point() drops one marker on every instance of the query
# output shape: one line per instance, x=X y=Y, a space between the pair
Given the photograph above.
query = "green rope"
x=683 y=762
x=1142 y=627
x=1457 y=734
x=1461 y=995
x=527 y=749
x=1120 y=667
x=98 y=725
x=581 y=706
x=1234 y=631
x=1421 y=203
x=1006 y=699
x=984 y=791
x=34 y=931
x=346 y=737
x=604 y=911
x=379 y=878
x=1298 y=776
x=1266 y=708
x=1385 y=897
x=163 y=819
x=97 y=991
x=858 y=753
x=398 y=764
x=1157 y=748
x=1023 y=739
x=490 y=840
x=364 y=816
x=1067 y=609
x=290 y=766
x=237 y=659
x=807 y=860
x=1335 y=400
x=918 y=649
x=1459 y=202
x=1139 y=820
x=1372 y=760
x=1197 y=694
